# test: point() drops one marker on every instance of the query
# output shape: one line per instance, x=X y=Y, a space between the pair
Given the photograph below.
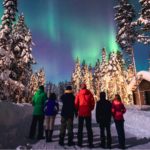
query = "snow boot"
x=50 y=135
x=61 y=141
x=47 y=135
x=102 y=144
x=71 y=143
x=70 y=140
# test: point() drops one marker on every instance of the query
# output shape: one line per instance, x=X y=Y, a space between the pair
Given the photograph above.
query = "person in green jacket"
x=38 y=101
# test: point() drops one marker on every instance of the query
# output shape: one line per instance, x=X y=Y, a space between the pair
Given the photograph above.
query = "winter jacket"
x=68 y=108
x=38 y=101
x=51 y=108
x=103 y=111
x=118 y=110
x=84 y=103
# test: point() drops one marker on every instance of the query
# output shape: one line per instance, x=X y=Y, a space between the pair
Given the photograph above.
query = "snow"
x=140 y=75
x=137 y=121
x=15 y=120
x=143 y=21
x=137 y=136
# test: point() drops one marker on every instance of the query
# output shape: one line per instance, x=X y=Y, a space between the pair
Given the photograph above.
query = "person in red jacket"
x=118 y=110
x=84 y=103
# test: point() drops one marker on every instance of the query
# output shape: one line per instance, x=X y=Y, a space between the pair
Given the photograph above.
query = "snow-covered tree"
x=76 y=76
x=96 y=79
x=124 y=16
x=117 y=78
x=82 y=74
x=21 y=66
x=84 y=71
x=90 y=76
x=144 y=22
x=126 y=34
x=103 y=72
x=22 y=49
x=100 y=74
x=41 y=77
x=37 y=79
x=7 y=84
x=110 y=75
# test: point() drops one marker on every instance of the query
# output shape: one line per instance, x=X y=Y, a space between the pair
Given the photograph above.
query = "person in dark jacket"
x=118 y=110
x=67 y=115
x=103 y=117
x=85 y=103
x=38 y=101
x=51 y=108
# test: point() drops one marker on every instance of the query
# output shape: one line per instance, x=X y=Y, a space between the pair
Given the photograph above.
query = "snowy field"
x=15 y=120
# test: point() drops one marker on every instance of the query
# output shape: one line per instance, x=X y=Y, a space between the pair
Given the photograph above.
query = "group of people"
x=46 y=108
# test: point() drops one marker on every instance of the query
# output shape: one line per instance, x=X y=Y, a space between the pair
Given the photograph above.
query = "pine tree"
x=83 y=71
x=144 y=22
x=124 y=16
x=85 y=75
x=22 y=42
x=117 y=80
x=7 y=85
x=33 y=86
x=96 y=79
x=37 y=79
x=76 y=76
x=22 y=64
x=41 y=77
x=126 y=34
x=103 y=72
x=91 y=84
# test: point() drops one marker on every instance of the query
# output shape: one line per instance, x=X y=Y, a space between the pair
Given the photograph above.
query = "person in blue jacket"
x=51 y=108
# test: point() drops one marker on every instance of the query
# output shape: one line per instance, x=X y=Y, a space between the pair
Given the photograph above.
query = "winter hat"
x=102 y=95
x=83 y=86
x=69 y=88
x=41 y=88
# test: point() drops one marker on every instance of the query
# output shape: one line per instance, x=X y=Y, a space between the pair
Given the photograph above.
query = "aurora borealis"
x=66 y=29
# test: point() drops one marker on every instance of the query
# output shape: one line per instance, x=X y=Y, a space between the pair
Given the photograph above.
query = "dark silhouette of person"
x=118 y=110
x=103 y=117
x=67 y=115
x=38 y=101
x=84 y=103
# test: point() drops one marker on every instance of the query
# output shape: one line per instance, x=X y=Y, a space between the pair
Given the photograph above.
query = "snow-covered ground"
x=137 y=121
x=15 y=120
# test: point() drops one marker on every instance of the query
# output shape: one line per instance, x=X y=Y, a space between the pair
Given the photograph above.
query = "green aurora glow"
x=66 y=29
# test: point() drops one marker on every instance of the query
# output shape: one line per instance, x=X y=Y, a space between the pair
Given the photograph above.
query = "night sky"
x=63 y=30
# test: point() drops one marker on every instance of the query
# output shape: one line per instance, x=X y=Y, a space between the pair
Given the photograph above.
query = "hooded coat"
x=103 y=111
x=118 y=110
x=84 y=103
x=68 y=108
x=38 y=101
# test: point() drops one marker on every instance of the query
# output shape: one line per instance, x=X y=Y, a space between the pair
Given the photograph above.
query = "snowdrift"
x=137 y=121
x=15 y=120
